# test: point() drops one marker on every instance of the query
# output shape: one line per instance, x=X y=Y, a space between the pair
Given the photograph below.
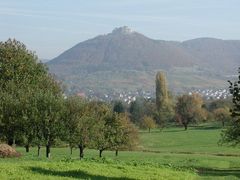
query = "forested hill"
x=127 y=60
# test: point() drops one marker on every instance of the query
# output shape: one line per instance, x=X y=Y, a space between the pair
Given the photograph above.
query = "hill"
x=125 y=60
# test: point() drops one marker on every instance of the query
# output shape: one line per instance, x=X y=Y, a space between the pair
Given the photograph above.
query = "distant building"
x=81 y=94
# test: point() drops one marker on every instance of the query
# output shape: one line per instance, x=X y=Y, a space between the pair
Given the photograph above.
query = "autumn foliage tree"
x=161 y=91
x=148 y=123
x=222 y=114
x=126 y=134
x=189 y=109
x=163 y=101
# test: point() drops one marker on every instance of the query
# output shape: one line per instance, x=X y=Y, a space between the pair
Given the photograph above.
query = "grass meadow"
x=168 y=154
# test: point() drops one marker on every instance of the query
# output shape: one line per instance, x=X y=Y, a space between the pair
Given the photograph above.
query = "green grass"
x=87 y=170
x=194 y=140
x=61 y=166
x=168 y=154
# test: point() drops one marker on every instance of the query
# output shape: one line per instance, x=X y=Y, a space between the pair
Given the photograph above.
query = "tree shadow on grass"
x=219 y=172
x=73 y=174
x=205 y=127
x=166 y=130
x=174 y=130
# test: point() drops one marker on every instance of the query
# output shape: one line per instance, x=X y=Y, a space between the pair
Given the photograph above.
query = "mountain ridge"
x=124 y=50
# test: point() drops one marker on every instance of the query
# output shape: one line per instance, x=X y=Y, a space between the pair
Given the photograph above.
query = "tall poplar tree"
x=161 y=91
x=163 y=102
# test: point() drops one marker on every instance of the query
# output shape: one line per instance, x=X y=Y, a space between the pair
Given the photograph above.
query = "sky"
x=53 y=26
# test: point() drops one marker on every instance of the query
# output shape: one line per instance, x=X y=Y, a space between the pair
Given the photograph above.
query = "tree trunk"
x=48 y=153
x=10 y=139
x=223 y=124
x=27 y=148
x=116 y=152
x=14 y=143
x=185 y=126
x=39 y=147
x=149 y=130
x=81 y=151
x=10 y=142
x=71 y=150
x=100 y=153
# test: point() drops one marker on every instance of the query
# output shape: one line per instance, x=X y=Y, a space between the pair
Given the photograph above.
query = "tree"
x=19 y=66
x=20 y=73
x=222 y=114
x=79 y=122
x=118 y=107
x=28 y=117
x=231 y=135
x=126 y=136
x=111 y=130
x=48 y=102
x=163 y=101
x=189 y=109
x=212 y=105
x=50 y=109
x=148 y=123
x=102 y=115
x=114 y=132
x=137 y=110
x=84 y=133
x=74 y=112
x=161 y=91
x=10 y=113
x=130 y=134
x=31 y=99
x=1 y=123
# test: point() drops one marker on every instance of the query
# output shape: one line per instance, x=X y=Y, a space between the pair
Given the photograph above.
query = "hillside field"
x=168 y=154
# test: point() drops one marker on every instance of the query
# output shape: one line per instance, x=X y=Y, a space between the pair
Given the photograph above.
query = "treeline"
x=183 y=110
x=34 y=111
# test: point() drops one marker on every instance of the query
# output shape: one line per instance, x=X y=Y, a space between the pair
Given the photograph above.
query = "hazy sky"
x=52 y=26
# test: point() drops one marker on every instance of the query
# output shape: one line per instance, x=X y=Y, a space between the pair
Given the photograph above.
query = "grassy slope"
x=176 y=154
